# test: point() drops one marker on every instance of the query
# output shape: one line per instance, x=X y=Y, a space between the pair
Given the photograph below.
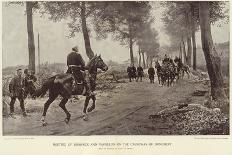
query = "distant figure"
x=151 y=73
x=16 y=91
x=131 y=72
x=140 y=73
x=76 y=67
x=178 y=62
x=166 y=59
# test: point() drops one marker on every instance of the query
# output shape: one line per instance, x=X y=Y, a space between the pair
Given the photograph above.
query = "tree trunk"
x=193 y=39
x=184 y=50
x=194 y=50
x=144 y=63
x=213 y=61
x=139 y=57
x=131 y=51
x=131 y=43
x=151 y=61
x=189 y=54
x=31 y=45
x=147 y=61
x=180 y=54
x=88 y=49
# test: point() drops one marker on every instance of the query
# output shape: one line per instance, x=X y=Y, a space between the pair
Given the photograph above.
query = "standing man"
x=133 y=71
x=16 y=91
x=151 y=73
x=140 y=73
x=76 y=65
x=129 y=72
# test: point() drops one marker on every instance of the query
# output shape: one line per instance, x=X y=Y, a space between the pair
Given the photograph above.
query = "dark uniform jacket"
x=140 y=71
x=16 y=86
x=151 y=71
x=75 y=59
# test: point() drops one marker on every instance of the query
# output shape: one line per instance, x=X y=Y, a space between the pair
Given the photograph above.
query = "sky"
x=55 y=45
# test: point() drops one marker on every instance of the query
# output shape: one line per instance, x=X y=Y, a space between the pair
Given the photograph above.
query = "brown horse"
x=68 y=88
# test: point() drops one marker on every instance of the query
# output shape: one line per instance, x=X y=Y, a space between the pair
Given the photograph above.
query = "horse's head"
x=157 y=64
x=97 y=62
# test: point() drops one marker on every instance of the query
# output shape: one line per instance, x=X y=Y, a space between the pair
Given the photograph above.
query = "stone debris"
x=192 y=119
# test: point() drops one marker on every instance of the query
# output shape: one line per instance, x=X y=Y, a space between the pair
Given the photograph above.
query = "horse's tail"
x=44 y=88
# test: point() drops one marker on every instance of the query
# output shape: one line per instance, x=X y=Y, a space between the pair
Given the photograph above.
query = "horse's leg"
x=62 y=105
x=85 y=117
x=93 y=104
x=86 y=104
x=46 y=106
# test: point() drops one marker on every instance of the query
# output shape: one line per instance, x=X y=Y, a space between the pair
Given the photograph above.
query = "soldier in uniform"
x=166 y=59
x=76 y=66
x=140 y=73
x=151 y=73
x=16 y=91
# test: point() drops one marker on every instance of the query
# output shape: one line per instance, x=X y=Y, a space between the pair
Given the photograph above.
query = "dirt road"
x=124 y=110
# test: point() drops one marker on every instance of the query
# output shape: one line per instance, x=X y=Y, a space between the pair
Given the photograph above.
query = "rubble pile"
x=195 y=119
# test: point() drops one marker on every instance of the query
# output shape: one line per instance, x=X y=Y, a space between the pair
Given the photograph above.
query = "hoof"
x=66 y=120
x=44 y=123
x=85 y=118
x=90 y=109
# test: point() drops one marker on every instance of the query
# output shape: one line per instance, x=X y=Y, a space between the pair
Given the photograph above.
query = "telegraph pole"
x=38 y=54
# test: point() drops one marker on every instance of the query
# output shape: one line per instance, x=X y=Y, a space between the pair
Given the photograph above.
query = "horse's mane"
x=90 y=64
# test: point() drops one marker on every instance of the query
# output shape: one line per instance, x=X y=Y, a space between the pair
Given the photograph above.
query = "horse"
x=165 y=73
x=68 y=88
x=185 y=69
x=181 y=68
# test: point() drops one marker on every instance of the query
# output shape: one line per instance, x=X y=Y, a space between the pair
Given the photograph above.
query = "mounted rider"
x=76 y=67
x=166 y=59
x=179 y=63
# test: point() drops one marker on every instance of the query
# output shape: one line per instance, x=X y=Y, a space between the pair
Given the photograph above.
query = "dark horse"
x=68 y=88
x=181 y=68
x=165 y=73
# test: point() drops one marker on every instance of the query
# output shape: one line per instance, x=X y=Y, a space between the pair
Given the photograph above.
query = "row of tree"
x=182 y=20
x=116 y=18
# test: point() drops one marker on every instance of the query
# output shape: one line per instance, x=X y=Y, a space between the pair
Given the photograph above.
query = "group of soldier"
x=20 y=87
x=136 y=74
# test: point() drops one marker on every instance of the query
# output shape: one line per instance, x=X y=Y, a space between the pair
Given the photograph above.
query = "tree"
x=147 y=40
x=31 y=44
x=120 y=19
x=30 y=7
x=78 y=12
x=213 y=61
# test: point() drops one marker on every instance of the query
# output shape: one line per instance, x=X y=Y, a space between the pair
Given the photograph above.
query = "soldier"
x=129 y=72
x=16 y=91
x=151 y=73
x=76 y=66
x=166 y=59
x=140 y=73
x=133 y=71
